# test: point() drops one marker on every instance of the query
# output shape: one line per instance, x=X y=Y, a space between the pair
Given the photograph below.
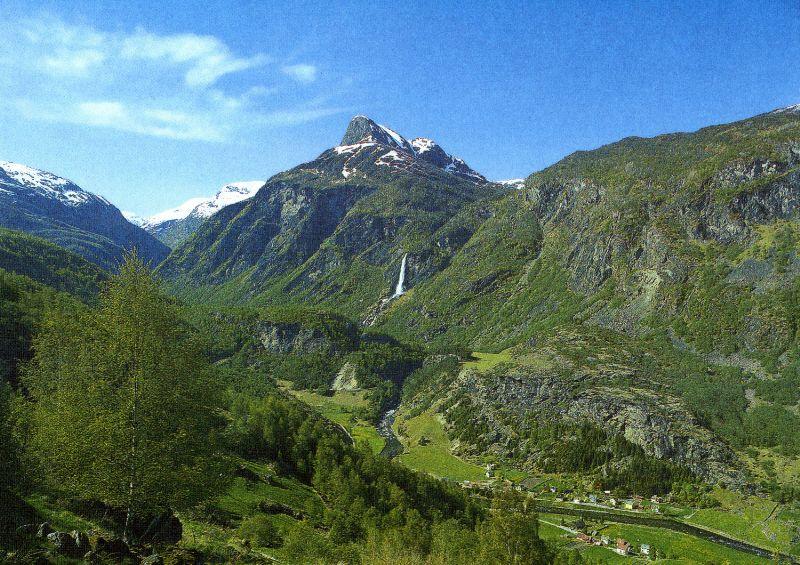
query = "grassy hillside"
x=49 y=264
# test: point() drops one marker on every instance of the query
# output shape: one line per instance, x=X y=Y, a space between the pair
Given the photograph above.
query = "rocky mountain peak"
x=363 y=130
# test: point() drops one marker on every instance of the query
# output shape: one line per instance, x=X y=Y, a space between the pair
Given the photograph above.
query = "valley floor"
x=427 y=448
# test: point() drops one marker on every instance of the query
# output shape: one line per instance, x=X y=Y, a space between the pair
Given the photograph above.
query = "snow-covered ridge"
x=512 y=183
x=177 y=213
x=47 y=185
x=793 y=109
x=205 y=207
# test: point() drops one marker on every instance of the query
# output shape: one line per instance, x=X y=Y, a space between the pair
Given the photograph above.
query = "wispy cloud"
x=207 y=57
x=301 y=73
x=73 y=62
x=300 y=115
x=161 y=85
x=148 y=121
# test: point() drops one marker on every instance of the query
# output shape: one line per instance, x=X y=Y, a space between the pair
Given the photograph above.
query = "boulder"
x=164 y=528
x=114 y=546
x=44 y=530
x=271 y=507
x=81 y=541
x=63 y=543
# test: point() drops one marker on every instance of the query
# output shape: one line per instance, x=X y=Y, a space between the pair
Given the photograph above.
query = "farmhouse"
x=623 y=547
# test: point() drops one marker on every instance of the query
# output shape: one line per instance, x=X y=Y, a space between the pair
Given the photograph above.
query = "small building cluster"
x=618 y=545
x=634 y=503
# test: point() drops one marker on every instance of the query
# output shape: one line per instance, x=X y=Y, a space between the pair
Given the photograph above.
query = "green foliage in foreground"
x=9 y=448
x=124 y=404
x=374 y=508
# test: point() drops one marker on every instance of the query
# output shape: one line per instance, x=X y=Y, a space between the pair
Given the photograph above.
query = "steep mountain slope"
x=654 y=295
x=56 y=209
x=337 y=227
x=637 y=224
x=647 y=287
x=49 y=264
x=173 y=226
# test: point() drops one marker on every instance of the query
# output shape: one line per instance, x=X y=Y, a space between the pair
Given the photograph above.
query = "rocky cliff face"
x=503 y=401
x=295 y=339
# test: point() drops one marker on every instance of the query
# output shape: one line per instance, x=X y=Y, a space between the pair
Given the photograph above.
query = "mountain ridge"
x=176 y=224
x=52 y=207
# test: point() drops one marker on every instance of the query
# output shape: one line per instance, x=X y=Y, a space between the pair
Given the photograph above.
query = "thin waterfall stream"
x=398 y=290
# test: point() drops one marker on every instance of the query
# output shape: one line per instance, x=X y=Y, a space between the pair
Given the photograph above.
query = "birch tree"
x=126 y=410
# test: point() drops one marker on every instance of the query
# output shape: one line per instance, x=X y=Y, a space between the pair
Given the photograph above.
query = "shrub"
x=260 y=530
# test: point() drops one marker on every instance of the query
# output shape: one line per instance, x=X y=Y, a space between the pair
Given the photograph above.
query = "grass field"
x=675 y=546
x=756 y=520
x=486 y=361
x=241 y=501
x=341 y=408
x=435 y=456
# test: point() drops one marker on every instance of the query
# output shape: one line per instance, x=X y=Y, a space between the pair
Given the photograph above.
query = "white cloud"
x=208 y=57
x=301 y=73
x=161 y=85
x=157 y=122
x=73 y=62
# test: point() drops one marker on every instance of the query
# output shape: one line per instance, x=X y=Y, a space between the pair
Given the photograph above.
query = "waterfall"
x=398 y=290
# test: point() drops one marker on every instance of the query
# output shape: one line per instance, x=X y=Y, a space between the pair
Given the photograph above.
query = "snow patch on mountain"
x=202 y=207
x=354 y=148
x=229 y=194
x=423 y=145
x=134 y=218
x=513 y=183
x=793 y=109
x=45 y=184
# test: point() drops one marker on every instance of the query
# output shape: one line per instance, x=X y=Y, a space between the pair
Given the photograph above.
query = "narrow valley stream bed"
x=393 y=447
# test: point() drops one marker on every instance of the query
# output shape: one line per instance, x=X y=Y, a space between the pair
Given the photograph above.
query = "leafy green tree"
x=452 y=543
x=9 y=448
x=125 y=407
x=510 y=535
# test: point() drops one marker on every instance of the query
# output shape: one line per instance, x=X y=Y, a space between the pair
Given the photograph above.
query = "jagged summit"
x=363 y=132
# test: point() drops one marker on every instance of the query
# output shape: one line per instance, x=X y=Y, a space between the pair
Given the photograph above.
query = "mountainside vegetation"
x=49 y=264
x=119 y=433
x=649 y=276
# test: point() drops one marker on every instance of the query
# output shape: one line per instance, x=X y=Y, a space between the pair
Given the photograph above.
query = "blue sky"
x=151 y=103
